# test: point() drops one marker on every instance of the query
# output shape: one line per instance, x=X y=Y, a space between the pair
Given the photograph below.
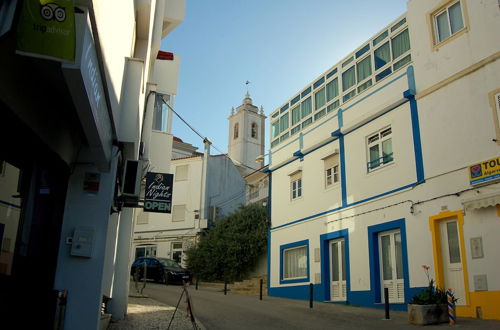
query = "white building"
x=76 y=101
x=375 y=166
x=206 y=187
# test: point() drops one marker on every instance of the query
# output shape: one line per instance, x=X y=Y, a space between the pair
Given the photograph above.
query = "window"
x=332 y=89
x=319 y=99
x=348 y=78
x=306 y=107
x=364 y=68
x=177 y=252
x=275 y=128
x=253 y=192
x=295 y=115
x=448 y=21
x=331 y=164
x=181 y=172
x=145 y=251
x=494 y=98
x=400 y=44
x=295 y=263
x=296 y=185
x=382 y=55
x=284 y=123
x=160 y=112
x=179 y=213
x=380 y=149
x=254 y=130
x=235 y=130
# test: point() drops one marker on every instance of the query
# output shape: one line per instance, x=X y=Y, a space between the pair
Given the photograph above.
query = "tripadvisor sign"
x=158 y=197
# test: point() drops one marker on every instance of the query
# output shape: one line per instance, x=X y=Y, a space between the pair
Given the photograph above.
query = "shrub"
x=432 y=294
x=230 y=250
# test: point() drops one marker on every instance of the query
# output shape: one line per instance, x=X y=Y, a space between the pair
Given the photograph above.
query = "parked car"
x=161 y=270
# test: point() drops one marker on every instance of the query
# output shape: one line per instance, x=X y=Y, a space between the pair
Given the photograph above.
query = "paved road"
x=234 y=311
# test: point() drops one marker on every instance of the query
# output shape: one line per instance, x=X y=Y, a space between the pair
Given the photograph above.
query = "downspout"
x=204 y=169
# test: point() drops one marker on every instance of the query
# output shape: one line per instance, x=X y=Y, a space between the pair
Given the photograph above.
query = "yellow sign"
x=485 y=171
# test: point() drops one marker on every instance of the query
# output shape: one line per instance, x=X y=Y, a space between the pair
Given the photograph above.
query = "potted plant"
x=430 y=306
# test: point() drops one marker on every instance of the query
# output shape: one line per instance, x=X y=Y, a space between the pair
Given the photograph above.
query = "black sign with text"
x=158 y=197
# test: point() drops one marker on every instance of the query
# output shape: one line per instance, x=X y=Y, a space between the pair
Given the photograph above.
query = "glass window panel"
x=306 y=92
x=398 y=24
x=160 y=112
x=348 y=78
x=284 y=137
x=386 y=257
x=384 y=73
x=335 y=262
x=347 y=62
x=306 y=107
x=387 y=151
x=319 y=99
x=402 y=62
x=364 y=68
x=382 y=55
x=276 y=128
x=456 y=20
x=333 y=106
x=307 y=122
x=373 y=138
x=374 y=156
x=320 y=114
x=399 y=256
x=443 y=29
x=364 y=85
x=319 y=82
x=329 y=177
x=284 y=123
x=332 y=89
x=381 y=37
x=295 y=262
x=295 y=115
x=295 y=100
x=275 y=143
x=349 y=95
x=400 y=44
x=331 y=73
x=453 y=243
x=295 y=130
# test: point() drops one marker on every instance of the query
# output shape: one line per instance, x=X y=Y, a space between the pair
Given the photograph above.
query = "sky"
x=279 y=46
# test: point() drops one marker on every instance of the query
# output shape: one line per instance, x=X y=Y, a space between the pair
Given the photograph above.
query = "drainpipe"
x=204 y=168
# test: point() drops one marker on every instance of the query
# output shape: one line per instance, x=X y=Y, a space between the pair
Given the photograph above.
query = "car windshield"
x=169 y=263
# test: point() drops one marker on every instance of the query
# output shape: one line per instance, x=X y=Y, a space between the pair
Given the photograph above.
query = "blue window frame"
x=294 y=262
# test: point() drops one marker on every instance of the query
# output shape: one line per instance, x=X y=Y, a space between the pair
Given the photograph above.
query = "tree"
x=230 y=250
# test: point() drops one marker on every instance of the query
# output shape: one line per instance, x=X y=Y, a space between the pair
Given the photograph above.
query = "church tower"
x=246 y=135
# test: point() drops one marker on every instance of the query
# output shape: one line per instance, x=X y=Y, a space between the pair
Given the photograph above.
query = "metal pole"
x=225 y=287
x=311 y=295
x=261 y=281
x=386 y=303
x=197 y=283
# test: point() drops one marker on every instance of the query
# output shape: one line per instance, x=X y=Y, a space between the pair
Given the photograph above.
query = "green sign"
x=46 y=29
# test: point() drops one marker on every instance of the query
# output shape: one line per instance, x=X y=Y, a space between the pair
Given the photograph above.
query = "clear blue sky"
x=280 y=46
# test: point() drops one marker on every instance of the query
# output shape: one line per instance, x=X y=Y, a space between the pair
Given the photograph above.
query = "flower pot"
x=427 y=314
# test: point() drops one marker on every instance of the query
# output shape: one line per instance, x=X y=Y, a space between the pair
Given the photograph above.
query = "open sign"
x=158 y=193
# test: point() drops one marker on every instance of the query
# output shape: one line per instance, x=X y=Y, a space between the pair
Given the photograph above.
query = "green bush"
x=230 y=250
x=432 y=294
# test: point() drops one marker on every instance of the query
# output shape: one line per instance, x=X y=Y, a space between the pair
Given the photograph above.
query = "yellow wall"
x=484 y=304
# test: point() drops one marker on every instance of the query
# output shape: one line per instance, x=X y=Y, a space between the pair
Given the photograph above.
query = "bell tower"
x=246 y=135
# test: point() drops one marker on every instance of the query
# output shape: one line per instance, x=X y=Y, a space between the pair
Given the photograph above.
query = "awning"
x=482 y=201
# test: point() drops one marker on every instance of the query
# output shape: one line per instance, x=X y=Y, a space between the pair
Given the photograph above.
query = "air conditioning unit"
x=132 y=175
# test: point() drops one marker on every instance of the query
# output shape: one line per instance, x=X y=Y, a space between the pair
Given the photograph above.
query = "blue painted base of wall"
x=355 y=298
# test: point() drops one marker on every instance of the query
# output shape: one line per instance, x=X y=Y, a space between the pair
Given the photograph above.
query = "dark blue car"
x=161 y=270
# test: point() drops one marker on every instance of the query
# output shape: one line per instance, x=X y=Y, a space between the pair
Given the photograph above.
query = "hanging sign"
x=158 y=196
x=488 y=170
x=46 y=29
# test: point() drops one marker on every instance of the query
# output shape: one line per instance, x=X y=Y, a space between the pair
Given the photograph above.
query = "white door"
x=391 y=266
x=338 y=289
x=452 y=260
